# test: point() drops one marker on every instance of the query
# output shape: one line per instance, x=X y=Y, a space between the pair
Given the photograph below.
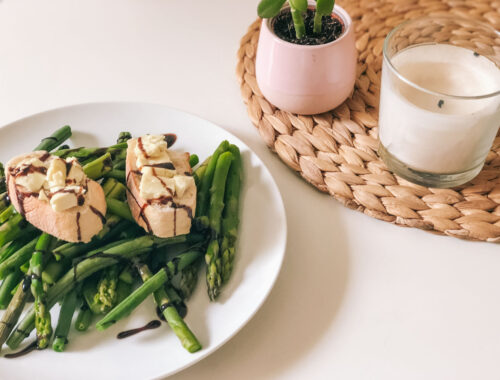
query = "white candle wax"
x=433 y=133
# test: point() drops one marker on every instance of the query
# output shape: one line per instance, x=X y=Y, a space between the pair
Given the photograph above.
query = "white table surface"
x=357 y=298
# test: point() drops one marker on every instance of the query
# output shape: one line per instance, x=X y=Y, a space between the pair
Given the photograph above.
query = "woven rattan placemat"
x=337 y=151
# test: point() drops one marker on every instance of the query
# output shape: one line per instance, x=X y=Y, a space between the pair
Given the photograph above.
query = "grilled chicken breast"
x=55 y=196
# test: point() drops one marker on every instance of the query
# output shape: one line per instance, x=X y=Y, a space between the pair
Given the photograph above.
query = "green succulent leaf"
x=269 y=8
x=300 y=5
x=325 y=7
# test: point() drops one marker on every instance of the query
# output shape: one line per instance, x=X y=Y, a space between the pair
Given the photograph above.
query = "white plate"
x=157 y=353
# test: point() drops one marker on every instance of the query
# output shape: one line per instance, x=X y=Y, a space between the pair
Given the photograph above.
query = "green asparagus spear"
x=98 y=167
x=214 y=269
x=169 y=311
x=91 y=153
x=203 y=196
x=193 y=160
x=54 y=140
x=111 y=229
x=108 y=185
x=212 y=256
x=200 y=172
x=18 y=258
x=123 y=290
x=217 y=191
x=127 y=275
x=13 y=312
x=42 y=314
x=123 y=137
x=64 y=322
x=13 y=229
x=118 y=192
x=119 y=208
x=54 y=270
x=100 y=260
x=187 y=280
x=104 y=291
x=119 y=164
x=132 y=301
x=83 y=318
x=89 y=291
x=9 y=249
x=10 y=282
x=7 y=213
x=230 y=218
x=119 y=175
x=106 y=287
x=4 y=200
x=3 y=185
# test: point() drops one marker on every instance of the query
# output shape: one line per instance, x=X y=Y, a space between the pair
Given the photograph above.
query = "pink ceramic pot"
x=306 y=79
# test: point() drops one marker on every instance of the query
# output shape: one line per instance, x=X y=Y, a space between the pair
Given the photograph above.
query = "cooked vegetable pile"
x=104 y=280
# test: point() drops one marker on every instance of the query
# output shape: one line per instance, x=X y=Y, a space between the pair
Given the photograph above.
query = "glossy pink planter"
x=306 y=79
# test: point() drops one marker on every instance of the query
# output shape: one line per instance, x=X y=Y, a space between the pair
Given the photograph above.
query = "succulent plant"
x=271 y=8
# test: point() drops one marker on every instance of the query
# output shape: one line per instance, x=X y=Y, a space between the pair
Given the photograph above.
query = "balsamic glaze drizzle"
x=175 y=221
x=164 y=165
x=44 y=157
x=81 y=200
x=179 y=306
x=98 y=213
x=170 y=138
x=78 y=229
x=154 y=324
x=141 y=213
x=141 y=147
x=26 y=283
x=25 y=351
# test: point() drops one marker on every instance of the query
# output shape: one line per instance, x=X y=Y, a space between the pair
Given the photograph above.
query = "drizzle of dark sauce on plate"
x=25 y=351
x=154 y=324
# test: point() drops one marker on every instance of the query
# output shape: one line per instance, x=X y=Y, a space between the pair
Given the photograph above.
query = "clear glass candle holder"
x=439 y=99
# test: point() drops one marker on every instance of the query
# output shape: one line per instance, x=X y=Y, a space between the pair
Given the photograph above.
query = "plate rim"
x=281 y=205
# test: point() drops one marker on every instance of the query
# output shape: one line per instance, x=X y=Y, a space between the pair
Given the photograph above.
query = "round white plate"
x=158 y=353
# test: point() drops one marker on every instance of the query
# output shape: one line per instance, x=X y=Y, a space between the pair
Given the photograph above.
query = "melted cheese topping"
x=159 y=177
x=51 y=181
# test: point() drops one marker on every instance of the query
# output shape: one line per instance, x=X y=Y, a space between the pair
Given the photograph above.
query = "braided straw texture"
x=337 y=151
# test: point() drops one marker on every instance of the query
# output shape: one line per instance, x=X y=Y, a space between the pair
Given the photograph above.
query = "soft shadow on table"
x=304 y=302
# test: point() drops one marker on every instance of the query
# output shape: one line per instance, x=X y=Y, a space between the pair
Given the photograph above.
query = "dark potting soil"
x=284 y=29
